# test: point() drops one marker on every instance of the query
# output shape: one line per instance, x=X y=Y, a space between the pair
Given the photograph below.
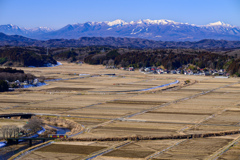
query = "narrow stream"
x=61 y=130
x=7 y=151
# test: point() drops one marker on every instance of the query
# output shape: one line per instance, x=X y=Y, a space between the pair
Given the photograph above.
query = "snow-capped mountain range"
x=165 y=30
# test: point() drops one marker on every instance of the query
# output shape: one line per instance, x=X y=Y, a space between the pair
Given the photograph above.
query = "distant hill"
x=16 y=40
x=164 y=30
x=4 y=37
x=23 y=57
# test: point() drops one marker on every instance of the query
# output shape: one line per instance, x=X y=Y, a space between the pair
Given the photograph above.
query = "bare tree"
x=111 y=62
x=9 y=131
x=13 y=131
x=33 y=125
x=16 y=131
x=5 y=131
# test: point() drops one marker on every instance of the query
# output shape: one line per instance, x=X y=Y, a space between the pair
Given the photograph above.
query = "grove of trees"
x=19 y=56
x=166 y=58
x=3 y=86
x=10 y=131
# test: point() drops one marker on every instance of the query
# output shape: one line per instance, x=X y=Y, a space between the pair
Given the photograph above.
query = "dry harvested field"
x=231 y=153
x=199 y=148
x=110 y=103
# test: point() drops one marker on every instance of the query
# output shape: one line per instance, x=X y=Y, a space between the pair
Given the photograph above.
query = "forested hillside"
x=123 y=57
x=169 y=59
x=20 y=56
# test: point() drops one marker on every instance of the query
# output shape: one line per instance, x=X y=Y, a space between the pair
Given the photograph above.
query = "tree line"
x=13 y=131
x=11 y=75
x=20 y=56
x=168 y=58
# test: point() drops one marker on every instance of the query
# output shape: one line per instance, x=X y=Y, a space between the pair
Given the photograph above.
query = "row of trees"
x=234 y=67
x=25 y=57
x=11 y=77
x=3 y=86
x=170 y=60
x=11 y=70
x=66 y=55
x=10 y=131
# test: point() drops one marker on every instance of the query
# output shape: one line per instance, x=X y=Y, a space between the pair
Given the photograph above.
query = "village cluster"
x=26 y=84
x=183 y=70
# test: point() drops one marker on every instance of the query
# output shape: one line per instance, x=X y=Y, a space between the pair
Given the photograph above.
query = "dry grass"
x=121 y=129
x=128 y=153
x=169 y=117
x=75 y=149
x=194 y=149
x=98 y=100
x=232 y=153
x=50 y=155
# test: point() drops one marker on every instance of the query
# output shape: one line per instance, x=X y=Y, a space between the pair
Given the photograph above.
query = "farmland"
x=111 y=104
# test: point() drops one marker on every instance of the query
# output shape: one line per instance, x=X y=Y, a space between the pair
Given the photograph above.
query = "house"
x=131 y=68
x=35 y=81
x=160 y=71
x=80 y=62
x=173 y=72
x=147 y=69
x=188 y=72
x=122 y=68
x=153 y=68
x=206 y=73
x=141 y=69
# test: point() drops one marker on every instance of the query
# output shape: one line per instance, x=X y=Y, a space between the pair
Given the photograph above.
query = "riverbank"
x=15 y=150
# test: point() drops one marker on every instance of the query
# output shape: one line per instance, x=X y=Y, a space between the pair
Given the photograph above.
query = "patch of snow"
x=58 y=64
x=139 y=21
x=218 y=23
x=109 y=28
x=132 y=22
x=41 y=131
x=12 y=26
x=136 y=31
x=84 y=74
x=2 y=144
x=117 y=22
x=39 y=28
x=49 y=65
x=37 y=85
x=161 y=21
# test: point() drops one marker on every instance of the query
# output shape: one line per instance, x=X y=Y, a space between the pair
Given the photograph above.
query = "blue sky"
x=58 y=13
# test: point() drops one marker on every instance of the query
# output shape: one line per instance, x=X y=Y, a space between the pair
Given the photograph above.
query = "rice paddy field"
x=112 y=104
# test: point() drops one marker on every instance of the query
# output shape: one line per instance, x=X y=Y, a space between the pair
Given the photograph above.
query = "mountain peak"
x=40 y=29
x=12 y=26
x=142 y=21
x=117 y=22
x=160 y=21
x=219 y=23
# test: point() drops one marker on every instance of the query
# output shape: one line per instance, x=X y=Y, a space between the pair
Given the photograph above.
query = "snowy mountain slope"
x=165 y=30
x=29 y=32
